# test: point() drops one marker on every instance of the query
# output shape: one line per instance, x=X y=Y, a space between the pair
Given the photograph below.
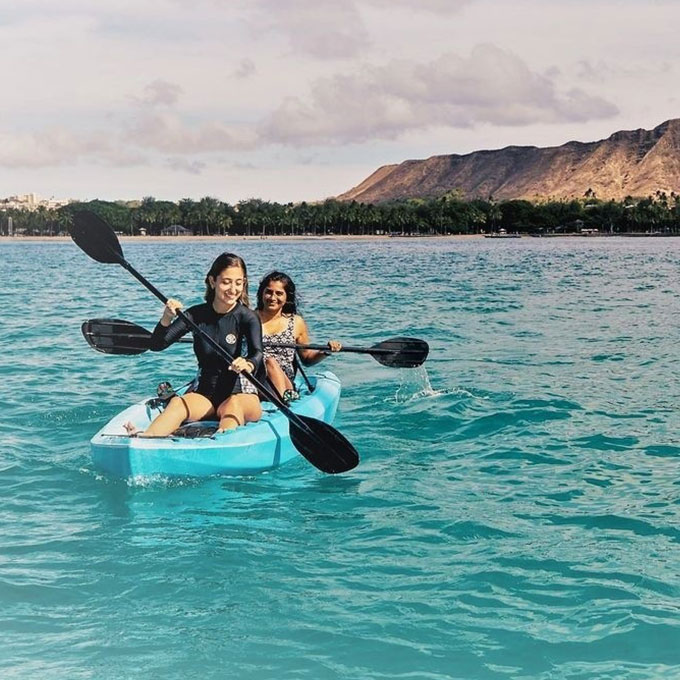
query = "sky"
x=291 y=100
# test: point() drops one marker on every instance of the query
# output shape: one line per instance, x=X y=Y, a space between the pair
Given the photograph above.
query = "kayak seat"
x=195 y=429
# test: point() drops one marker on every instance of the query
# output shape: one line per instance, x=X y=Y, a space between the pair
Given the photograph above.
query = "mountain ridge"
x=627 y=163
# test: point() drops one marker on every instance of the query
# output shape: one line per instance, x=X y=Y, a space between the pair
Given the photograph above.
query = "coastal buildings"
x=32 y=202
x=28 y=214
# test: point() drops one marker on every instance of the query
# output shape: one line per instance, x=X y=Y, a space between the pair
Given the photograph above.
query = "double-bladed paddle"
x=115 y=336
x=320 y=443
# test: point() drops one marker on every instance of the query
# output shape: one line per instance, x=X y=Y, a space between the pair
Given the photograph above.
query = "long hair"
x=290 y=306
x=219 y=265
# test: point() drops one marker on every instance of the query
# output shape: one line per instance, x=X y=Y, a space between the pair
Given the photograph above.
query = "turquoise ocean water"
x=516 y=513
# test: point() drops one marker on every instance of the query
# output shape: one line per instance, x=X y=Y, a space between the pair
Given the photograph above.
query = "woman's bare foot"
x=131 y=429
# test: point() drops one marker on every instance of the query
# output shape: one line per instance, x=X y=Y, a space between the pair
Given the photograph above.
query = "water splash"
x=415 y=385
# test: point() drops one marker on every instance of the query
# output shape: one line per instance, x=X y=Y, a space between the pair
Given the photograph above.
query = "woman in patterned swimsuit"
x=277 y=309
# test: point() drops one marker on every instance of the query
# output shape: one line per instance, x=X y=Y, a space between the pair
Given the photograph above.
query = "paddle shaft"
x=325 y=348
x=290 y=345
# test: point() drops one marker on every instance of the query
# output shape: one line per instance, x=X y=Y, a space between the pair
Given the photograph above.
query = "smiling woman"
x=283 y=326
x=226 y=318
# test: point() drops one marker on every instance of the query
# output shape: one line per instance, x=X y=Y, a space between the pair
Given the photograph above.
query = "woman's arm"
x=311 y=356
x=168 y=331
x=252 y=332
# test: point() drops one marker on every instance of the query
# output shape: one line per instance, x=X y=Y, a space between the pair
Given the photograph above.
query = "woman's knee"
x=192 y=406
x=224 y=409
x=251 y=407
x=241 y=407
x=229 y=405
x=179 y=406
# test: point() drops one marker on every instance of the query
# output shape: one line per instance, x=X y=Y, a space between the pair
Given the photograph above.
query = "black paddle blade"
x=322 y=445
x=401 y=352
x=113 y=336
x=95 y=237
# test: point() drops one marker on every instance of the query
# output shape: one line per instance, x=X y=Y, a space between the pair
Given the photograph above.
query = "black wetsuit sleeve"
x=252 y=332
x=164 y=336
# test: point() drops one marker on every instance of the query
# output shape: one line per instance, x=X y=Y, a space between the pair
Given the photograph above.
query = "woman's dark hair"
x=218 y=266
x=290 y=306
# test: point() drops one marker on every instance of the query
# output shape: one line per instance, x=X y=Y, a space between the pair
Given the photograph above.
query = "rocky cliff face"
x=628 y=163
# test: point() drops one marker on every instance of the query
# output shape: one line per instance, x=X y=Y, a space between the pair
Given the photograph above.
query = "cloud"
x=436 y=6
x=184 y=165
x=161 y=92
x=337 y=30
x=490 y=86
x=245 y=69
x=170 y=133
x=603 y=71
x=57 y=146
x=325 y=30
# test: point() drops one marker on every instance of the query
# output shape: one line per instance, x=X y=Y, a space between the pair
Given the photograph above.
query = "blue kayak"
x=198 y=451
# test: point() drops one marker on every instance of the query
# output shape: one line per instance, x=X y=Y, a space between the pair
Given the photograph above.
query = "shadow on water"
x=223 y=498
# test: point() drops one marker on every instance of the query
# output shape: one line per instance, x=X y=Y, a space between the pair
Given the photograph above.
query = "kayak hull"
x=247 y=450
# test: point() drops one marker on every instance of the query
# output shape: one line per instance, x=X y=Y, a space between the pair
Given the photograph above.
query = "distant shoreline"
x=334 y=237
x=234 y=239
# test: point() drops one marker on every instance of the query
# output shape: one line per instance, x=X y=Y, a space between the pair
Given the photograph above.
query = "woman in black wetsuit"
x=225 y=317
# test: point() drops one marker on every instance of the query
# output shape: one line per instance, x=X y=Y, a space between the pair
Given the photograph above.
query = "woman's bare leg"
x=277 y=377
x=191 y=406
x=238 y=409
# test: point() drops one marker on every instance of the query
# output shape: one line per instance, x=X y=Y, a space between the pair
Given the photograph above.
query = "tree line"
x=447 y=214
